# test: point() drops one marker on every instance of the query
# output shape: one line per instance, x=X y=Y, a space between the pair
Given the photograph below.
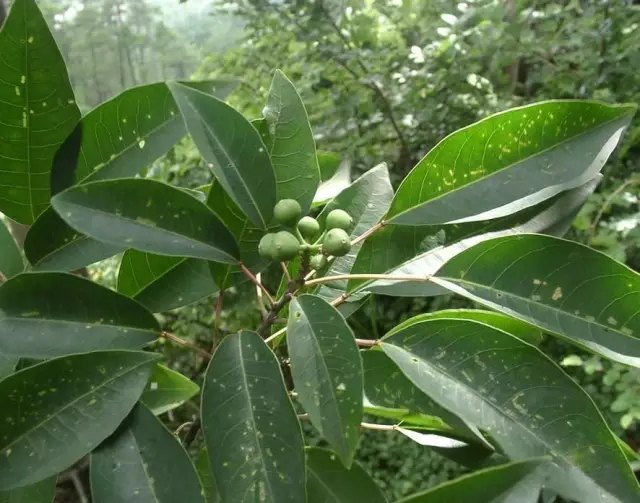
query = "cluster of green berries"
x=284 y=245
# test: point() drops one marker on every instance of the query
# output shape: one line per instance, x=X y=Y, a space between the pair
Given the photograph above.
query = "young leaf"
x=209 y=487
x=59 y=410
x=595 y=307
x=120 y=137
x=291 y=146
x=251 y=430
x=520 y=397
x=10 y=257
x=329 y=481
x=41 y=492
x=149 y=216
x=143 y=462
x=529 y=154
x=51 y=245
x=519 y=482
x=37 y=107
x=167 y=389
x=327 y=372
x=51 y=314
x=328 y=163
x=234 y=150
x=330 y=188
x=164 y=283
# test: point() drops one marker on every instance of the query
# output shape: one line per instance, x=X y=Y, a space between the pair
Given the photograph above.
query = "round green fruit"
x=336 y=243
x=318 y=261
x=287 y=211
x=339 y=219
x=309 y=228
x=286 y=246
x=266 y=246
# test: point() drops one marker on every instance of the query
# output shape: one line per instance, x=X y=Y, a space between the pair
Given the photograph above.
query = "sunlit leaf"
x=143 y=462
x=148 y=216
x=37 y=107
x=59 y=410
x=51 y=314
x=527 y=154
x=327 y=372
x=330 y=188
x=251 y=430
x=167 y=389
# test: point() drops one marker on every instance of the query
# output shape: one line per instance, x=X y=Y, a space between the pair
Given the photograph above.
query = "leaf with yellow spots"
x=143 y=462
x=523 y=400
x=510 y=161
x=534 y=278
x=58 y=411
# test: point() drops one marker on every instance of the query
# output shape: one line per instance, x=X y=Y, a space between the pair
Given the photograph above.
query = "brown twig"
x=186 y=344
x=256 y=282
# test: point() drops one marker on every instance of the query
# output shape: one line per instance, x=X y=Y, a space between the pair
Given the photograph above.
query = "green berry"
x=309 y=228
x=266 y=247
x=339 y=219
x=286 y=246
x=318 y=261
x=336 y=242
x=287 y=211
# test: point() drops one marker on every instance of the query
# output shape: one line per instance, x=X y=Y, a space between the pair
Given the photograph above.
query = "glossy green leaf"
x=366 y=200
x=328 y=481
x=164 y=283
x=246 y=234
x=528 y=154
x=521 y=398
x=422 y=250
x=41 y=492
x=251 y=430
x=148 y=216
x=51 y=245
x=234 y=150
x=519 y=482
x=7 y=365
x=521 y=330
x=330 y=188
x=328 y=163
x=291 y=147
x=206 y=477
x=58 y=411
x=37 y=107
x=10 y=256
x=51 y=314
x=534 y=278
x=327 y=372
x=167 y=389
x=143 y=462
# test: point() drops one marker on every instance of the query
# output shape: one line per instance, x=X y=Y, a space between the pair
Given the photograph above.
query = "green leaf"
x=7 y=365
x=122 y=136
x=234 y=150
x=529 y=154
x=60 y=410
x=330 y=482
x=521 y=398
x=394 y=248
x=41 y=492
x=206 y=477
x=51 y=245
x=534 y=278
x=327 y=372
x=143 y=462
x=330 y=188
x=51 y=314
x=164 y=283
x=167 y=389
x=519 y=482
x=246 y=234
x=291 y=147
x=37 y=107
x=251 y=430
x=10 y=256
x=328 y=163
x=366 y=200
x=149 y=216
x=518 y=328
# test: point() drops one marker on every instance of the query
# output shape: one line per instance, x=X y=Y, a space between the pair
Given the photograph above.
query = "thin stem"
x=263 y=310
x=182 y=342
x=192 y=432
x=388 y=277
x=368 y=233
x=275 y=335
x=77 y=484
x=382 y=427
x=367 y=342
x=256 y=282
x=285 y=271
x=607 y=203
